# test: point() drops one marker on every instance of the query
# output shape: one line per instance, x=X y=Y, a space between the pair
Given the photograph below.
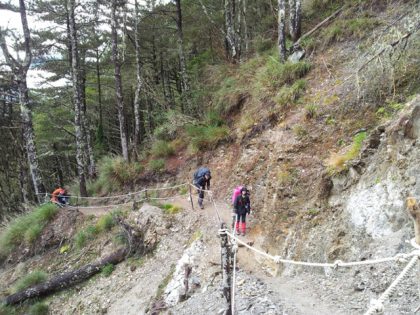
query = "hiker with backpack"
x=201 y=180
x=242 y=207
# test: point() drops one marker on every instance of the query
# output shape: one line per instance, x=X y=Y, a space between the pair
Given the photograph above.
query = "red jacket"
x=56 y=193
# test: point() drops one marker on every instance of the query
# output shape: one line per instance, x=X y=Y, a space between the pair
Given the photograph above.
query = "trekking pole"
x=191 y=198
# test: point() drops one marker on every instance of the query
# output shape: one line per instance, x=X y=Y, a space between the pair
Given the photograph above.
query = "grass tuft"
x=337 y=162
x=162 y=149
x=38 y=308
x=105 y=223
x=26 y=228
x=170 y=208
x=114 y=175
x=288 y=95
x=206 y=137
x=107 y=270
x=35 y=277
x=157 y=165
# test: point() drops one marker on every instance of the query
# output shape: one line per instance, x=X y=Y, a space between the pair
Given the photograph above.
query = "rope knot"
x=222 y=232
x=277 y=259
x=337 y=264
x=414 y=244
x=234 y=248
x=377 y=305
x=401 y=258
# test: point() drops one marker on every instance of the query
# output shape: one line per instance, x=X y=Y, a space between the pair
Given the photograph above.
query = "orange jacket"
x=56 y=193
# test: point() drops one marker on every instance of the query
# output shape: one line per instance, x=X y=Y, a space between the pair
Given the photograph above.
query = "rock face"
x=375 y=203
x=150 y=219
x=185 y=280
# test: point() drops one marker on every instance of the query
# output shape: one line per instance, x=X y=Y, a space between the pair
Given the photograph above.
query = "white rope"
x=101 y=207
x=124 y=195
x=377 y=305
x=336 y=264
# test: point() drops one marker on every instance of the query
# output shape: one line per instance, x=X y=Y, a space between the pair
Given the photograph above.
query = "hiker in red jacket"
x=59 y=196
x=242 y=207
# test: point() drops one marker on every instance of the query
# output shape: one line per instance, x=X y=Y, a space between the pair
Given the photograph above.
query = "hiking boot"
x=201 y=207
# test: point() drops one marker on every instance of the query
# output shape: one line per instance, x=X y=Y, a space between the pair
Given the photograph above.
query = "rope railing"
x=376 y=305
x=338 y=263
x=123 y=195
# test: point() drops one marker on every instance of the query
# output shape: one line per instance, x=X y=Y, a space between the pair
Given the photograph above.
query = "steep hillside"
x=329 y=147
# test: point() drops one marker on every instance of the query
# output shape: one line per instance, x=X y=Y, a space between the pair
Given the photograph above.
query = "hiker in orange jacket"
x=59 y=196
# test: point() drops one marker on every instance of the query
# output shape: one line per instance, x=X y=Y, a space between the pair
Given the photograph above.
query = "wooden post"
x=414 y=211
x=145 y=193
x=191 y=198
x=226 y=269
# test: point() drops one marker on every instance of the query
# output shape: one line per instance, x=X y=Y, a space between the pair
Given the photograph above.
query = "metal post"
x=191 y=198
x=226 y=269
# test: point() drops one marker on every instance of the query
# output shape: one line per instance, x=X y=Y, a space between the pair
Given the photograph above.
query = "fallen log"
x=135 y=244
x=66 y=279
x=323 y=22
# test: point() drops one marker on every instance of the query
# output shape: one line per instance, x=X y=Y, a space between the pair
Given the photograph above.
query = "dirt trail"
x=300 y=296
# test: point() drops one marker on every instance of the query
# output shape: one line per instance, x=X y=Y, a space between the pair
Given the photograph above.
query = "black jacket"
x=242 y=205
x=202 y=182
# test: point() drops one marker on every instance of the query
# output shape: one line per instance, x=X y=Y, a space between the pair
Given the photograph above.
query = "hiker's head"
x=207 y=176
x=244 y=191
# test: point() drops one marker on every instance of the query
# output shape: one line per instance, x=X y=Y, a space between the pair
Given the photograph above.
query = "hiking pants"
x=200 y=192
x=241 y=217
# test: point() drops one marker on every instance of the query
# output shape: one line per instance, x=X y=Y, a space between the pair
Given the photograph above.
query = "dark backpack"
x=200 y=173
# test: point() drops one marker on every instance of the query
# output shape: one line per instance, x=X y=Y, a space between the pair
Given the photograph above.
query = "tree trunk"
x=139 y=83
x=185 y=85
x=89 y=157
x=29 y=136
x=118 y=82
x=282 y=30
x=77 y=99
x=298 y=20
x=66 y=279
x=295 y=19
x=246 y=36
x=238 y=29
x=20 y=70
x=230 y=30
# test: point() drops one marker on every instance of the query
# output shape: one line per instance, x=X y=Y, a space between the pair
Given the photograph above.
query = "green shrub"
x=80 y=239
x=311 y=111
x=33 y=232
x=288 y=95
x=170 y=208
x=107 y=270
x=114 y=175
x=29 y=280
x=39 y=308
x=226 y=96
x=105 y=222
x=157 y=165
x=275 y=74
x=162 y=149
x=26 y=228
x=205 y=137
